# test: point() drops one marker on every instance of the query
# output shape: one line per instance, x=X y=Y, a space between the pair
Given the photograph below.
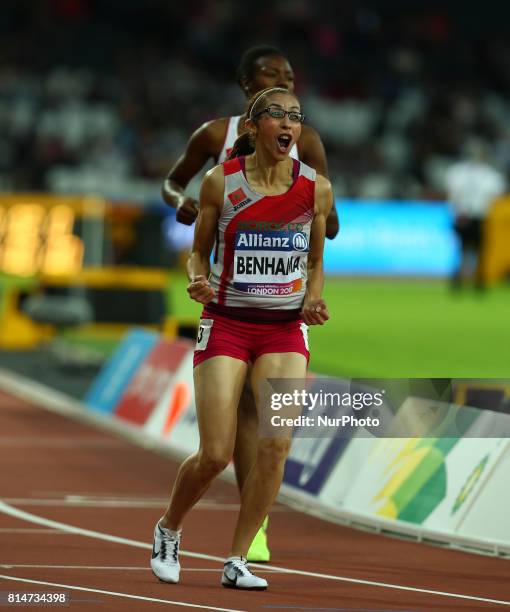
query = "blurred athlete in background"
x=472 y=185
x=260 y=67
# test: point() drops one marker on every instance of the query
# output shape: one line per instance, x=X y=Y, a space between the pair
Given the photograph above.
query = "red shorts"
x=218 y=335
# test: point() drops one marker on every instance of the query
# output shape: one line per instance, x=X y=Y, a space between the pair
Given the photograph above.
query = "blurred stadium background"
x=98 y=99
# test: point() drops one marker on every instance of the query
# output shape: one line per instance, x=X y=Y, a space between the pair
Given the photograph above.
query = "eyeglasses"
x=279 y=113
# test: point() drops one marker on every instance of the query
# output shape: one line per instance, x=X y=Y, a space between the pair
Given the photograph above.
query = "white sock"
x=235 y=559
x=171 y=532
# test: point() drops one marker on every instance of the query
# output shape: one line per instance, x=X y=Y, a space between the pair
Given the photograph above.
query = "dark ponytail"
x=243 y=145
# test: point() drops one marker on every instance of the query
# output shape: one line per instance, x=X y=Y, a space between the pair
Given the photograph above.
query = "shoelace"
x=240 y=568
x=169 y=543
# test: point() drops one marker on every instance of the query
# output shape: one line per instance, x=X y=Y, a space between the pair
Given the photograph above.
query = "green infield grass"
x=401 y=328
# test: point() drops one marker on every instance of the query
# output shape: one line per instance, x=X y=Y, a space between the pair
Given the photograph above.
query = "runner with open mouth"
x=284 y=142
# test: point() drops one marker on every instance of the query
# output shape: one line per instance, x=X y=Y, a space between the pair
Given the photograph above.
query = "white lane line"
x=31 y=501
x=29 y=530
x=38 y=442
x=121 y=498
x=116 y=594
x=39 y=520
x=113 y=567
x=21 y=514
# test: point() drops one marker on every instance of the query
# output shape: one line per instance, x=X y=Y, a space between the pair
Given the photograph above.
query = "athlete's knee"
x=272 y=452
x=213 y=460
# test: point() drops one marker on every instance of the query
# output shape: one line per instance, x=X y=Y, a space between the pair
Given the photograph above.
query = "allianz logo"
x=299 y=241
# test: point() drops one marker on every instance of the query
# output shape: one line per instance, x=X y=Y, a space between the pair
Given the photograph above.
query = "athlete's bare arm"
x=314 y=311
x=311 y=152
x=211 y=204
x=205 y=143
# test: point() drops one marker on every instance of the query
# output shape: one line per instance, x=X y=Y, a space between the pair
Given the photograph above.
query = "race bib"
x=204 y=331
x=269 y=262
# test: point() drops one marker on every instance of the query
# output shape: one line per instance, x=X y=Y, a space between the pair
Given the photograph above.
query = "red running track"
x=56 y=472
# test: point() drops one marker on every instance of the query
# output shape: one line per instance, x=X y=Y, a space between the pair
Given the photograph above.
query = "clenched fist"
x=187 y=211
x=315 y=312
x=200 y=290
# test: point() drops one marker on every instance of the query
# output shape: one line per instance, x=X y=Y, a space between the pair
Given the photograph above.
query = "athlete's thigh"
x=218 y=385
x=246 y=408
x=276 y=365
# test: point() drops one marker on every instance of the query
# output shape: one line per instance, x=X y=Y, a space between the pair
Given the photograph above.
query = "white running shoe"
x=236 y=575
x=165 y=554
